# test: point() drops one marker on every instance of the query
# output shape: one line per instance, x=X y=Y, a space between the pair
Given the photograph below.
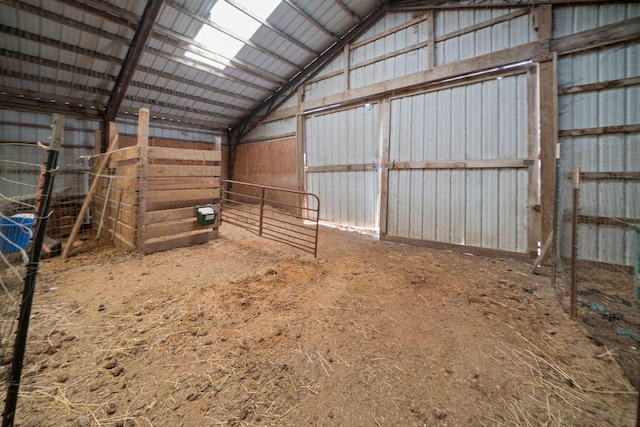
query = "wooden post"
x=346 y=59
x=431 y=48
x=574 y=243
x=143 y=145
x=301 y=173
x=113 y=143
x=534 y=235
x=384 y=117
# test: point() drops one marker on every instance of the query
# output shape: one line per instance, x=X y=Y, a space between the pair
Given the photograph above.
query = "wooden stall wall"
x=155 y=186
x=268 y=163
x=180 y=176
x=115 y=204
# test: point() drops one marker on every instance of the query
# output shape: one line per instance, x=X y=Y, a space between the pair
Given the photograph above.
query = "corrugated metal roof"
x=66 y=55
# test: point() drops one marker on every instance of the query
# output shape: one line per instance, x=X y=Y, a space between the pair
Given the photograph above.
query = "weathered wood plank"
x=393 y=54
x=207 y=182
x=282 y=136
x=481 y=25
x=601 y=36
x=604 y=130
x=461 y=164
x=172 y=214
x=178 y=242
x=516 y=54
x=175 y=204
x=343 y=168
x=143 y=145
x=120 y=154
x=431 y=55
x=534 y=226
x=460 y=248
x=603 y=220
x=591 y=87
x=548 y=141
x=384 y=122
x=184 y=154
x=609 y=176
x=182 y=171
x=378 y=36
x=172 y=228
x=157 y=196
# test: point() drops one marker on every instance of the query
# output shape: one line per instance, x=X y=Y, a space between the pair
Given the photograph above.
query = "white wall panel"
x=398 y=65
x=476 y=207
x=270 y=129
x=608 y=152
x=348 y=137
x=492 y=38
x=570 y=20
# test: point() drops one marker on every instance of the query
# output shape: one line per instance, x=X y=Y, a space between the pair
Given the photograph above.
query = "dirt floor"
x=242 y=331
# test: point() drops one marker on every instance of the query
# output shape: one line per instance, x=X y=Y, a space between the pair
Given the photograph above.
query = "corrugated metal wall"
x=73 y=161
x=335 y=143
x=400 y=52
x=483 y=207
x=166 y=130
x=269 y=130
x=597 y=91
x=502 y=35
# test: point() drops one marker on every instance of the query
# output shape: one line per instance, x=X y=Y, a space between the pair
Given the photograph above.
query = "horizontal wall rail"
x=286 y=216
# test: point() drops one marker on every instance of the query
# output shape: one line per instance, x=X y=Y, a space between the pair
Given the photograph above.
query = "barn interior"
x=292 y=212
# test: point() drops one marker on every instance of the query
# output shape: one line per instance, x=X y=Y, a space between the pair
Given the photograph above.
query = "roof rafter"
x=138 y=43
x=110 y=78
x=168 y=37
x=311 y=19
x=104 y=93
x=278 y=98
x=344 y=7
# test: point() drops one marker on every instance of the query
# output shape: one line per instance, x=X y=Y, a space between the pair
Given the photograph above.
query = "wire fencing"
x=604 y=174
x=20 y=176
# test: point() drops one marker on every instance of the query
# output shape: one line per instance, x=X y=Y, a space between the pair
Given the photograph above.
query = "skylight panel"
x=235 y=20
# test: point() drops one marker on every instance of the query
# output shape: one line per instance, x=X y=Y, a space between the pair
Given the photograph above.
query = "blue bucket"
x=15 y=233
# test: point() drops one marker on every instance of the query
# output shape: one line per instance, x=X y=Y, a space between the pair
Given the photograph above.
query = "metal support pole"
x=42 y=218
x=574 y=244
x=556 y=220
x=261 y=211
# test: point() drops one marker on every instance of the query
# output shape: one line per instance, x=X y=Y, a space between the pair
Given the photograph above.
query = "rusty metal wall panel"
x=476 y=207
x=340 y=139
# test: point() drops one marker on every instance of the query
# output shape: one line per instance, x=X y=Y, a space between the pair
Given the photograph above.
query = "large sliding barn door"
x=459 y=169
x=342 y=164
